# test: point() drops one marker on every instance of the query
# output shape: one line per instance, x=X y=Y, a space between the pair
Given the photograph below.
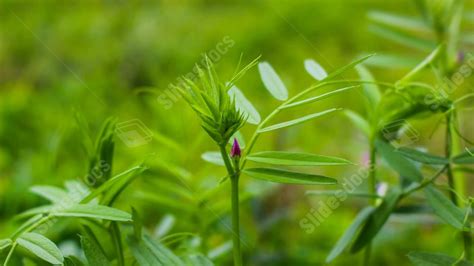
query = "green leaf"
x=422 y=65
x=358 y=121
x=398 y=162
x=395 y=20
x=287 y=177
x=297 y=121
x=94 y=211
x=73 y=261
x=376 y=220
x=371 y=91
x=213 y=157
x=466 y=157
x=295 y=159
x=197 y=260
x=244 y=105
x=272 y=81
x=315 y=69
x=53 y=194
x=350 y=233
x=403 y=38
x=149 y=252
x=92 y=249
x=435 y=259
x=422 y=157
x=393 y=61
x=4 y=243
x=41 y=246
x=444 y=208
x=317 y=98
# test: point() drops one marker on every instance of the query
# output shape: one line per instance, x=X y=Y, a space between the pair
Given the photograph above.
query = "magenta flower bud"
x=235 y=150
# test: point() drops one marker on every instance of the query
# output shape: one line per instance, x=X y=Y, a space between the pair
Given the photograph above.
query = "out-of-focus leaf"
x=4 y=243
x=376 y=220
x=295 y=159
x=213 y=157
x=244 y=105
x=350 y=233
x=315 y=69
x=392 y=61
x=93 y=211
x=317 y=98
x=41 y=246
x=358 y=121
x=95 y=255
x=422 y=65
x=149 y=252
x=371 y=91
x=297 y=121
x=272 y=81
x=403 y=38
x=445 y=208
x=287 y=177
x=352 y=64
x=197 y=260
x=466 y=157
x=399 y=21
x=53 y=194
x=422 y=157
x=435 y=259
x=398 y=162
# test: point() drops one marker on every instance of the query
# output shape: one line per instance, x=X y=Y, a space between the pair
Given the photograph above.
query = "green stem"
x=234 y=177
x=467 y=240
x=372 y=190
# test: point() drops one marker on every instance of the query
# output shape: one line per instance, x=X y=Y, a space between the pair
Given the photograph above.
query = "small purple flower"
x=235 y=151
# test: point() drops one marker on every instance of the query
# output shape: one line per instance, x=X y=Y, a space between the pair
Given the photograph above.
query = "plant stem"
x=467 y=240
x=234 y=177
x=372 y=190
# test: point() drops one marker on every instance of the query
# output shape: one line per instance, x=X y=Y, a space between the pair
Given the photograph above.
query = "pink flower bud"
x=235 y=151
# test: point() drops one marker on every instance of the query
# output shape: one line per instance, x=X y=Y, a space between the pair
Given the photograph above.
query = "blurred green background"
x=117 y=58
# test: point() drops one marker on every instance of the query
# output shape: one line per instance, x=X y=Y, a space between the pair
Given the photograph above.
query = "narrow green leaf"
x=295 y=159
x=197 y=260
x=403 y=38
x=350 y=233
x=393 y=61
x=149 y=252
x=399 y=21
x=317 y=98
x=376 y=220
x=272 y=81
x=371 y=91
x=352 y=64
x=73 y=261
x=315 y=69
x=287 y=177
x=297 y=121
x=422 y=65
x=358 y=121
x=422 y=157
x=4 y=243
x=435 y=259
x=244 y=105
x=41 y=246
x=94 y=211
x=445 y=208
x=50 y=193
x=398 y=162
x=466 y=157
x=92 y=249
x=213 y=157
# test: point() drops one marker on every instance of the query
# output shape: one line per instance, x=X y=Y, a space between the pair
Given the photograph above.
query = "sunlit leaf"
x=315 y=69
x=4 y=243
x=272 y=81
x=41 y=246
x=244 y=105
x=399 y=21
x=93 y=211
x=213 y=157
x=287 y=177
x=297 y=121
x=53 y=194
x=403 y=38
x=295 y=159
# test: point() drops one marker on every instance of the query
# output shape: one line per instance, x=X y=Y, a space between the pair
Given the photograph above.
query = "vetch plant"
x=223 y=110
